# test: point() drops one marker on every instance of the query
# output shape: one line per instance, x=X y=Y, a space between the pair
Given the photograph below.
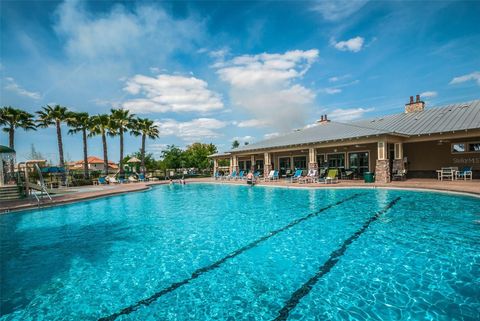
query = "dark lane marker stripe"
x=200 y=271
x=328 y=265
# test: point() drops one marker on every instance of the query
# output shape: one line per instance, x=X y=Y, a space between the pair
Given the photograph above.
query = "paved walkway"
x=91 y=192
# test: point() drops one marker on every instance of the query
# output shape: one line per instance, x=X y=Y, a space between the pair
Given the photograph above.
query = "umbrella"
x=134 y=160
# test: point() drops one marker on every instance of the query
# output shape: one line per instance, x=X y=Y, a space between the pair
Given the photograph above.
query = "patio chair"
x=240 y=175
x=311 y=177
x=132 y=179
x=400 y=175
x=464 y=173
x=269 y=177
x=332 y=176
x=102 y=181
x=142 y=178
x=296 y=176
x=217 y=176
x=122 y=180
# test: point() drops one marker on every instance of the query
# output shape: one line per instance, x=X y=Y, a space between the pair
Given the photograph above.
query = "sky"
x=218 y=71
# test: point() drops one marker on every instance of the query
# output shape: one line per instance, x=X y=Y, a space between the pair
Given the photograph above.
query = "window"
x=300 y=162
x=458 y=148
x=474 y=147
x=358 y=162
x=241 y=165
x=284 y=163
x=381 y=150
x=336 y=160
x=259 y=165
x=398 y=151
x=321 y=159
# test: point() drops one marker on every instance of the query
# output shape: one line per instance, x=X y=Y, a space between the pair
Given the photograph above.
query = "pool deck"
x=91 y=192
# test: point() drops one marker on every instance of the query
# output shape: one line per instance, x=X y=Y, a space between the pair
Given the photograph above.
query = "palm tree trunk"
x=121 y=152
x=60 y=148
x=85 y=154
x=142 y=164
x=105 y=154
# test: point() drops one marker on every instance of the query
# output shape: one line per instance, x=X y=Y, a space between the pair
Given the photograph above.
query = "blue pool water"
x=219 y=252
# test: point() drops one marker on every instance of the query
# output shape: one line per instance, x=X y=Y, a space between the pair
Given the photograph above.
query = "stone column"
x=382 y=167
x=231 y=165
x=267 y=164
x=312 y=159
x=252 y=160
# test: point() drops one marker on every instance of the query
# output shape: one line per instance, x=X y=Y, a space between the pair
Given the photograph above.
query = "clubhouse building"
x=417 y=141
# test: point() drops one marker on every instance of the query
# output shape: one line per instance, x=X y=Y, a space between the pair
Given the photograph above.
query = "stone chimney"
x=323 y=119
x=414 y=106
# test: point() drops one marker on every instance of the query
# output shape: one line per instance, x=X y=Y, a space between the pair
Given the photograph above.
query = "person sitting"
x=250 y=178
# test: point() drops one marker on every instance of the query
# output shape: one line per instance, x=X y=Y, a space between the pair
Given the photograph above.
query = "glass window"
x=300 y=162
x=284 y=163
x=458 y=148
x=474 y=147
x=259 y=165
x=336 y=160
x=248 y=165
x=359 y=162
x=241 y=165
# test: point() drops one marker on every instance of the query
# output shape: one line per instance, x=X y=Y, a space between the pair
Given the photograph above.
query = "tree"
x=80 y=122
x=13 y=118
x=196 y=155
x=147 y=129
x=172 y=157
x=100 y=125
x=235 y=144
x=121 y=122
x=246 y=143
x=54 y=116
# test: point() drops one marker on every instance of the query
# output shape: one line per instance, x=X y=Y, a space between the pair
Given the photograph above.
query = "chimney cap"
x=411 y=99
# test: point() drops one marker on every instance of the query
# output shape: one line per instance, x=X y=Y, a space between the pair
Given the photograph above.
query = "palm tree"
x=147 y=129
x=80 y=122
x=13 y=118
x=101 y=125
x=54 y=116
x=122 y=121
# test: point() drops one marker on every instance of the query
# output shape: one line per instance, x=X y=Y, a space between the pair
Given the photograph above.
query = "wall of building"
x=424 y=158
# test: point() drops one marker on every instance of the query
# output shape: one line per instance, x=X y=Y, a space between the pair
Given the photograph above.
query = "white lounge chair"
x=311 y=177
x=132 y=179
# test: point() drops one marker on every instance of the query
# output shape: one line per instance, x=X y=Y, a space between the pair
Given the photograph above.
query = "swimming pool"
x=221 y=252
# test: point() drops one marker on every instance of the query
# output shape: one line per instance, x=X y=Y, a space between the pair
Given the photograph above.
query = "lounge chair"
x=142 y=178
x=296 y=176
x=269 y=177
x=132 y=179
x=464 y=173
x=240 y=175
x=112 y=179
x=217 y=176
x=331 y=176
x=311 y=177
x=232 y=175
x=102 y=181
x=122 y=180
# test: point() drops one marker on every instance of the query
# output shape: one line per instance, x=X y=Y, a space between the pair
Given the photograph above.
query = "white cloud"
x=196 y=129
x=169 y=93
x=16 y=88
x=353 y=44
x=332 y=91
x=253 y=123
x=338 y=78
x=348 y=114
x=123 y=31
x=264 y=86
x=271 y=135
x=334 y=10
x=474 y=76
x=429 y=94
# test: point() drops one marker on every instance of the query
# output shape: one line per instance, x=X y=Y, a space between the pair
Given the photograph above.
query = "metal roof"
x=448 y=118
x=320 y=132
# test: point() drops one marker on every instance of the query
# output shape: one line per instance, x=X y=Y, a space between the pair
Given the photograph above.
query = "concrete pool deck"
x=91 y=192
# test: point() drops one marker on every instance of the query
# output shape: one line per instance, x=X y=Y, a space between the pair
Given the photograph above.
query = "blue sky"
x=218 y=71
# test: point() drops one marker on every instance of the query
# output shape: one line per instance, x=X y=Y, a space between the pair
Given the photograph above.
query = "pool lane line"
x=200 y=271
x=328 y=265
